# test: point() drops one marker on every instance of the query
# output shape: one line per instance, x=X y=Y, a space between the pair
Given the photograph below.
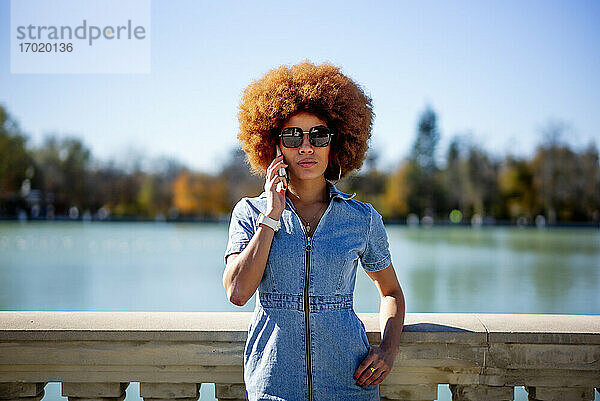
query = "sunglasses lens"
x=291 y=141
x=320 y=136
x=291 y=137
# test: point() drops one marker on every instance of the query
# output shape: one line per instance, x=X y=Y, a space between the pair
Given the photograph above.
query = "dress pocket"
x=251 y=337
x=363 y=331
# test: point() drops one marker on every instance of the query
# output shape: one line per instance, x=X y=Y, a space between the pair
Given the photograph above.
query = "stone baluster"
x=170 y=391
x=94 y=391
x=22 y=391
x=538 y=393
x=230 y=392
x=475 y=392
x=408 y=392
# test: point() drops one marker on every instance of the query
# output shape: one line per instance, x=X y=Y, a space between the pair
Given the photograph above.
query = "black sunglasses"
x=319 y=136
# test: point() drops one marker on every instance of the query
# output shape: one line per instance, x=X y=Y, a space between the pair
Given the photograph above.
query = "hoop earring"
x=340 y=175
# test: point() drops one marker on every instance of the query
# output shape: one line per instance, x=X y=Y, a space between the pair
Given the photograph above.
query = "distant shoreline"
x=447 y=223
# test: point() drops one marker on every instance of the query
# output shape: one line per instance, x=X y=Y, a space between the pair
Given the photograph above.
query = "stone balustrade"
x=95 y=355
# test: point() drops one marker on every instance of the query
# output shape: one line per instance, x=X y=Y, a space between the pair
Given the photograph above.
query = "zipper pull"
x=308 y=245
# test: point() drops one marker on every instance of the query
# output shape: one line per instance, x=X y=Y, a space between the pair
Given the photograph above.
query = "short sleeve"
x=241 y=228
x=377 y=254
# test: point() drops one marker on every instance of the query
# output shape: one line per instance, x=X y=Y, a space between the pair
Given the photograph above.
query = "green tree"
x=16 y=163
x=556 y=174
x=455 y=175
x=64 y=165
x=590 y=183
x=422 y=180
x=483 y=182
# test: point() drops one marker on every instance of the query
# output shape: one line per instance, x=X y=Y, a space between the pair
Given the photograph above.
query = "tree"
x=482 y=178
x=515 y=181
x=200 y=194
x=425 y=145
x=236 y=175
x=455 y=176
x=421 y=176
x=15 y=160
x=555 y=173
x=589 y=180
x=368 y=183
x=64 y=166
x=395 y=196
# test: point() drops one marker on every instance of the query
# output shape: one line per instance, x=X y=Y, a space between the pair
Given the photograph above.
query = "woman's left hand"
x=375 y=367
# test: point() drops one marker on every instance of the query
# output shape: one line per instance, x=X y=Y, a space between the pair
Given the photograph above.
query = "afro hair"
x=320 y=89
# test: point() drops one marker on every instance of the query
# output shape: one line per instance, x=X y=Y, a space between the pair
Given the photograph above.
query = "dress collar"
x=334 y=192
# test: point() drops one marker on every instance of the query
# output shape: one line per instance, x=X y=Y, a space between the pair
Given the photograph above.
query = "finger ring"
x=373 y=370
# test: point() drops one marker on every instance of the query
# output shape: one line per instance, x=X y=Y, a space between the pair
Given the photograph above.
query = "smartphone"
x=282 y=172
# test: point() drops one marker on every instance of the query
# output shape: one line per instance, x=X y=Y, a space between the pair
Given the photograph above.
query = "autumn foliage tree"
x=395 y=196
x=515 y=181
x=200 y=194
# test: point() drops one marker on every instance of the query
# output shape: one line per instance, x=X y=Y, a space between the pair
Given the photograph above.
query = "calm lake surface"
x=178 y=267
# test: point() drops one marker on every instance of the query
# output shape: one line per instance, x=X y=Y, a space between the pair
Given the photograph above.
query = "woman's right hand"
x=275 y=199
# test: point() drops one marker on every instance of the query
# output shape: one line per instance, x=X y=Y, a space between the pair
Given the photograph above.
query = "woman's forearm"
x=245 y=270
x=391 y=321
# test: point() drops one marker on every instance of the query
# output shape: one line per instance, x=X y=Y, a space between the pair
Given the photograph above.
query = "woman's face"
x=305 y=162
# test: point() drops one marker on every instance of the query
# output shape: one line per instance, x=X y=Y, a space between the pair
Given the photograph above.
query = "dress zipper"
x=306 y=304
x=307 y=317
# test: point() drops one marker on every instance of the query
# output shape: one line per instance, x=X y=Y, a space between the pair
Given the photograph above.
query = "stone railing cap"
x=232 y=326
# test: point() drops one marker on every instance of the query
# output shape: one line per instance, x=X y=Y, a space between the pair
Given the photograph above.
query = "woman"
x=300 y=241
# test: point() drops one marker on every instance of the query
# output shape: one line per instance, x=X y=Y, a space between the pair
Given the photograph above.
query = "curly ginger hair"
x=320 y=89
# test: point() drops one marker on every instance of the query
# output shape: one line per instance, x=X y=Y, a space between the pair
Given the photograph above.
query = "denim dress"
x=304 y=339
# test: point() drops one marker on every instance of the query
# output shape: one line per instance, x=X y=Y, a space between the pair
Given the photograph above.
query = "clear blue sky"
x=499 y=69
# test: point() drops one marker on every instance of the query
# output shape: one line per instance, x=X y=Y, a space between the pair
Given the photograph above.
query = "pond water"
x=178 y=267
